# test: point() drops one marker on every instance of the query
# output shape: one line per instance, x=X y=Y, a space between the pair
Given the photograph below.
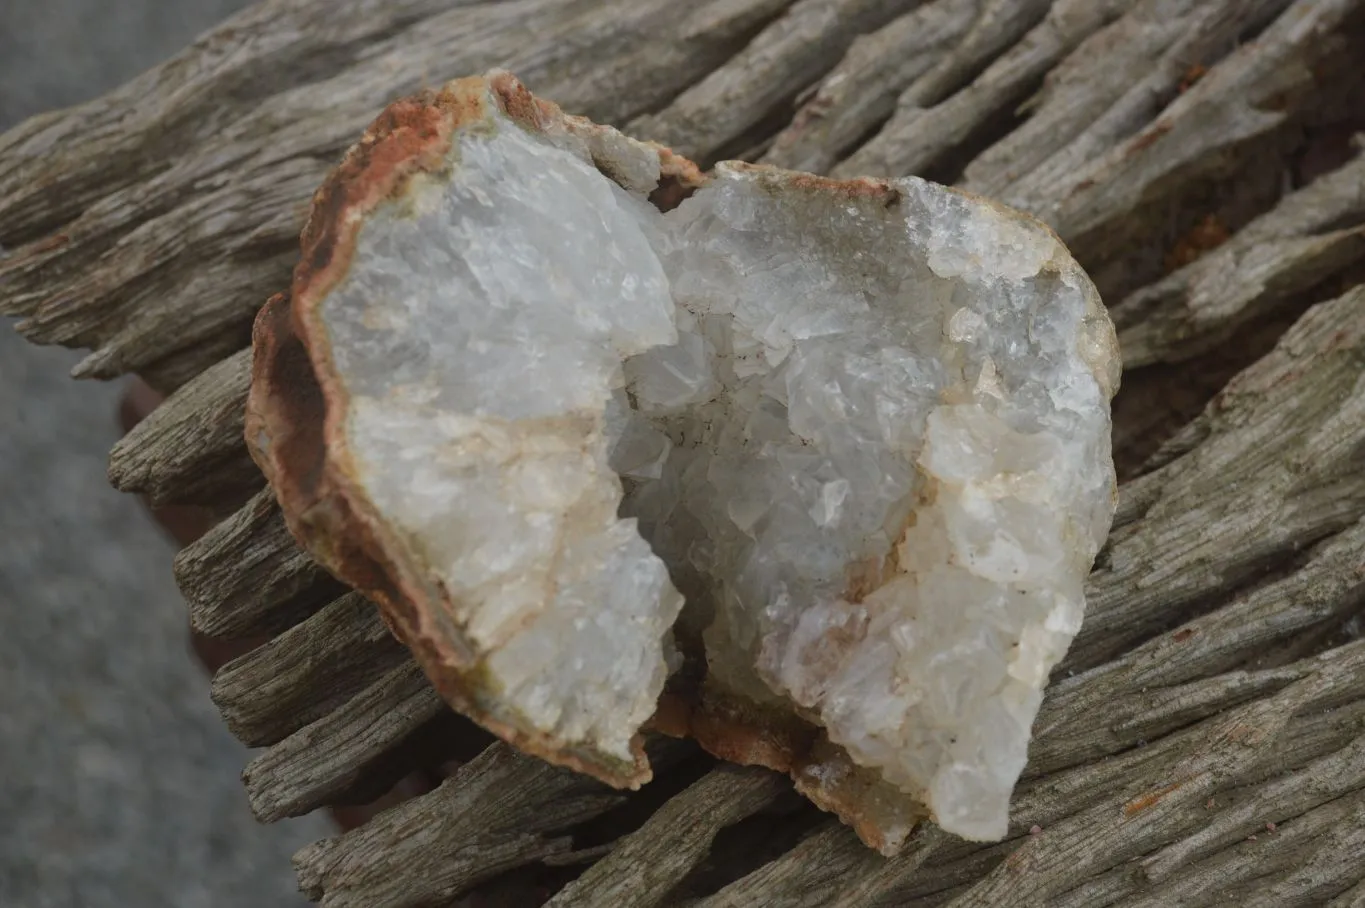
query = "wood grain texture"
x=1286 y=438
x=323 y=760
x=499 y=811
x=1313 y=234
x=189 y=449
x=917 y=137
x=248 y=577
x=861 y=91
x=306 y=672
x=1218 y=684
x=644 y=866
x=790 y=54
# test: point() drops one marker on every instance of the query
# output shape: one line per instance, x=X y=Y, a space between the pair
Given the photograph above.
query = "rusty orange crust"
x=1142 y=802
x=284 y=421
x=855 y=188
x=678 y=179
x=411 y=136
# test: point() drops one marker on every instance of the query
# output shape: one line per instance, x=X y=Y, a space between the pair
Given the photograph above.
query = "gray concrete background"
x=118 y=783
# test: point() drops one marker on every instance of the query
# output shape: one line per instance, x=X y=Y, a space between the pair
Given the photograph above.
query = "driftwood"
x=1203 y=744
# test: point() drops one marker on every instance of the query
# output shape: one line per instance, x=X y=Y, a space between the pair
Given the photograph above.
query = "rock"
x=861 y=427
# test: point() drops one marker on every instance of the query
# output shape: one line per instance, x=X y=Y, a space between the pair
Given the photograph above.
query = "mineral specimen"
x=827 y=460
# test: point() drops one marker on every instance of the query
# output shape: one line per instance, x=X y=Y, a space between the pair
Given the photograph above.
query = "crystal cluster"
x=832 y=455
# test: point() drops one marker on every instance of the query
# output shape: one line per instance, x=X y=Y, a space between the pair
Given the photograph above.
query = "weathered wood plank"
x=1311 y=235
x=306 y=672
x=1115 y=83
x=54 y=166
x=808 y=876
x=862 y=90
x=1277 y=801
x=1135 y=716
x=499 y=811
x=1137 y=692
x=1301 y=861
x=790 y=54
x=189 y=450
x=1351 y=898
x=1285 y=436
x=917 y=138
x=322 y=761
x=645 y=865
x=247 y=576
x=1297 y=851
x=1240 y=108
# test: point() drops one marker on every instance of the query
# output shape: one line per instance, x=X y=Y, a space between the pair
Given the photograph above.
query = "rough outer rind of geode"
x=862 y=426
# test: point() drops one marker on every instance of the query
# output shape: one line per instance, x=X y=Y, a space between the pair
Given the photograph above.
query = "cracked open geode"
x=811 y=471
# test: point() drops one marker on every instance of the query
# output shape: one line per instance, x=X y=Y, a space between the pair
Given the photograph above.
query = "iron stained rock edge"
x=810 y=470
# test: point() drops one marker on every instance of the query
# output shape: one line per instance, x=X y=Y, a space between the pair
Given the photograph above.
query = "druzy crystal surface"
x=840 y=447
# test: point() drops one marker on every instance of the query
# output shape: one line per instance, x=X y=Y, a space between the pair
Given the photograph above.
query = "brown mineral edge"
x=740 y=731
x=295 y=435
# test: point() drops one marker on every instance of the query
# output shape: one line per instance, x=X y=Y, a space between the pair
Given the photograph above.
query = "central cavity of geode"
x=861 y=427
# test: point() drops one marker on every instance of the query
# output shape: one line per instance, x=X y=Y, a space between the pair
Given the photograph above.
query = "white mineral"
x=864 y=426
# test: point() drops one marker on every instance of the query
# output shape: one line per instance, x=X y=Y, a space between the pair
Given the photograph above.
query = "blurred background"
x=118 y=783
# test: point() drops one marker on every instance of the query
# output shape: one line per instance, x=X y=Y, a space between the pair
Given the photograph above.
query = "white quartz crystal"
x=865 y=427
x=906 y=398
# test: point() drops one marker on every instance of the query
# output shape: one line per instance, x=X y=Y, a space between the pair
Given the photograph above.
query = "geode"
x=812 y=471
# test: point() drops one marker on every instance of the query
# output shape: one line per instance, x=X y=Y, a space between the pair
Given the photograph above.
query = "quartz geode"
x=812 y=471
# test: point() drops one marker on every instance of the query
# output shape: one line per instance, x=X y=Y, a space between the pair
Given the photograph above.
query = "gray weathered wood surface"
x=1203 y=744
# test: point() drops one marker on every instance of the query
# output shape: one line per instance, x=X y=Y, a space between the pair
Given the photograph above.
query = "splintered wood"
x=1202 y=744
